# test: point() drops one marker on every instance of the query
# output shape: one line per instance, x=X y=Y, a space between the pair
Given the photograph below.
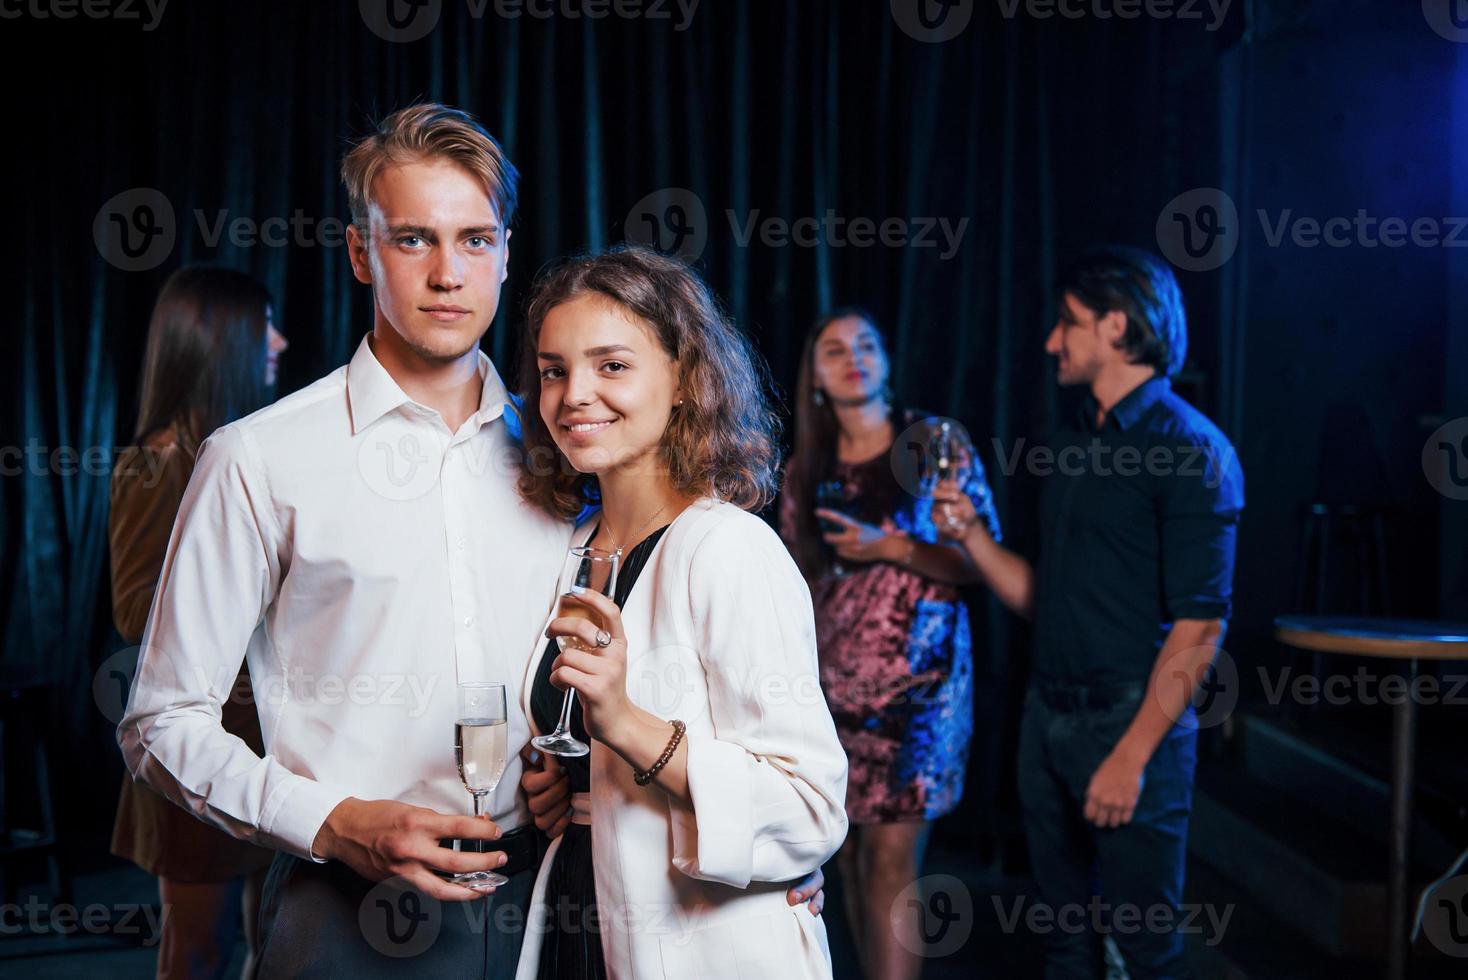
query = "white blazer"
x=720 y=633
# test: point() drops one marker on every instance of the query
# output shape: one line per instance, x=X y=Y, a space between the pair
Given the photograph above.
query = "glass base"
x=563 y=745
x=480 y=879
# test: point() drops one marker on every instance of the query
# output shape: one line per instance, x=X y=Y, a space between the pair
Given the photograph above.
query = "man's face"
x=1083 y=343
x=435 y=254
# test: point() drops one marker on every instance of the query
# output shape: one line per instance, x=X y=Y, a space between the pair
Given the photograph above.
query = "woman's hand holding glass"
x=599 y=671
x=953 y=512
x=858 y=542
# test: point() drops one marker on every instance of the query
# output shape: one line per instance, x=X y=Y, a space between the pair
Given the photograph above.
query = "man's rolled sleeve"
x=1201 y=501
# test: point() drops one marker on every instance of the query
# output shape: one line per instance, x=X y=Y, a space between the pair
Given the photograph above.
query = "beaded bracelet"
x=643 y=778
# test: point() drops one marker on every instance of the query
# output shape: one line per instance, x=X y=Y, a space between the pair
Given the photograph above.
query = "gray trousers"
x=324 y=920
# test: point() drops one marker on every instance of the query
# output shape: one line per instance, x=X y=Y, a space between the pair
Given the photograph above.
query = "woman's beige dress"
x=159 y=837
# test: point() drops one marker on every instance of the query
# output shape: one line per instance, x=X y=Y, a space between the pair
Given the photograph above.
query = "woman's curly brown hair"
x=721 y=442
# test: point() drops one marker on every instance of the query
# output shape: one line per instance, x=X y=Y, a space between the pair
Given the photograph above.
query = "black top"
x=1138 y=521
x=546 y=698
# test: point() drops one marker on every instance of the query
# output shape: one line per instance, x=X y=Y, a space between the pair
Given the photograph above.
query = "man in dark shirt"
x=1130 y=597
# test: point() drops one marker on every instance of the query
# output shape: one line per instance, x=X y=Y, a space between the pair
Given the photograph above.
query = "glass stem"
x=478 y=812
x=563 y=727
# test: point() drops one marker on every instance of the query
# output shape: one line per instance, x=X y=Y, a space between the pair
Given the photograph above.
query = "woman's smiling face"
x=607 y=386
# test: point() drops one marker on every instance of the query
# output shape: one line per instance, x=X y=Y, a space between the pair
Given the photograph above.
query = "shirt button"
x=468 y=620
x=463 y=541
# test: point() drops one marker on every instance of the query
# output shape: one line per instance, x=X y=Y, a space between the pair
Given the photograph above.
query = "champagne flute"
x=586 y=570
x=481 y=751
x=949 y=451
x=944 y=448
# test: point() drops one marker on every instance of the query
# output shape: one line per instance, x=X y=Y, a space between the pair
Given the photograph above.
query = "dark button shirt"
x=1138 y=521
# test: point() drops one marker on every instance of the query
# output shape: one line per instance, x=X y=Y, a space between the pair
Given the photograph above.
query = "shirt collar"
x=372 y=392
x=1133 y=405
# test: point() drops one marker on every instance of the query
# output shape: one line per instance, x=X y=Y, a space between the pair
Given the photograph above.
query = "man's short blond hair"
x=430 y=131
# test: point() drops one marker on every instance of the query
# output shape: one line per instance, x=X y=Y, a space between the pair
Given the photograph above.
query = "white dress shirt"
x=364 y=560
x=721 y=635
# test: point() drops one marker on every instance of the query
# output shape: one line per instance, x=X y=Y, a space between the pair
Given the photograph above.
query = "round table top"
x=1370 y=636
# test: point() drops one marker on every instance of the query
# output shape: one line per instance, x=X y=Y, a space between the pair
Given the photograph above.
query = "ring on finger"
x=603 y=638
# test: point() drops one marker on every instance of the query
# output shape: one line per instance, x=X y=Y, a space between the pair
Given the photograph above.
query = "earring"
x=818 y=396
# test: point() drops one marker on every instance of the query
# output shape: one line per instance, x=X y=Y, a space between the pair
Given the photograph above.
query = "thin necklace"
x=616 y=548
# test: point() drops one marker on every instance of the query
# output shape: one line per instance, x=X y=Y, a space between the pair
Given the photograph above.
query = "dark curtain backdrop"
x=1043 y=136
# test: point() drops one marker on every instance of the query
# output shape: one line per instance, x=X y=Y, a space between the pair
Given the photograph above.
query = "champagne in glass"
x=481 y=751
x=586 y=570
x=947 y=451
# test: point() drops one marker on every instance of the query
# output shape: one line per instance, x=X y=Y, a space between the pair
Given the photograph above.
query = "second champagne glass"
x=481 y=750
x=586 y=570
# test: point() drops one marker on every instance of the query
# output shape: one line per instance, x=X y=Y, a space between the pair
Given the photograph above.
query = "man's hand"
x=1114 y=790
x=810 y=890
x=382 y=839
x=548 y=791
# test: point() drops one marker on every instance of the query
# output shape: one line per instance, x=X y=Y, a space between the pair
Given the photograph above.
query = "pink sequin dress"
x=896 y=661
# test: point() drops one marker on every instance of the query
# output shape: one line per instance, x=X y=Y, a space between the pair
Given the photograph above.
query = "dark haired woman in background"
x=892 y=634
x=211 y=357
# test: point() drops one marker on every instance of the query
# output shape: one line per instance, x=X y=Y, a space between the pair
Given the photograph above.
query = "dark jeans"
x=323 y=920
x=1115 y=878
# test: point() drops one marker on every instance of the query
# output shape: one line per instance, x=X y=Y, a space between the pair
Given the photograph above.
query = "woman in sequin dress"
x=892 y=632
